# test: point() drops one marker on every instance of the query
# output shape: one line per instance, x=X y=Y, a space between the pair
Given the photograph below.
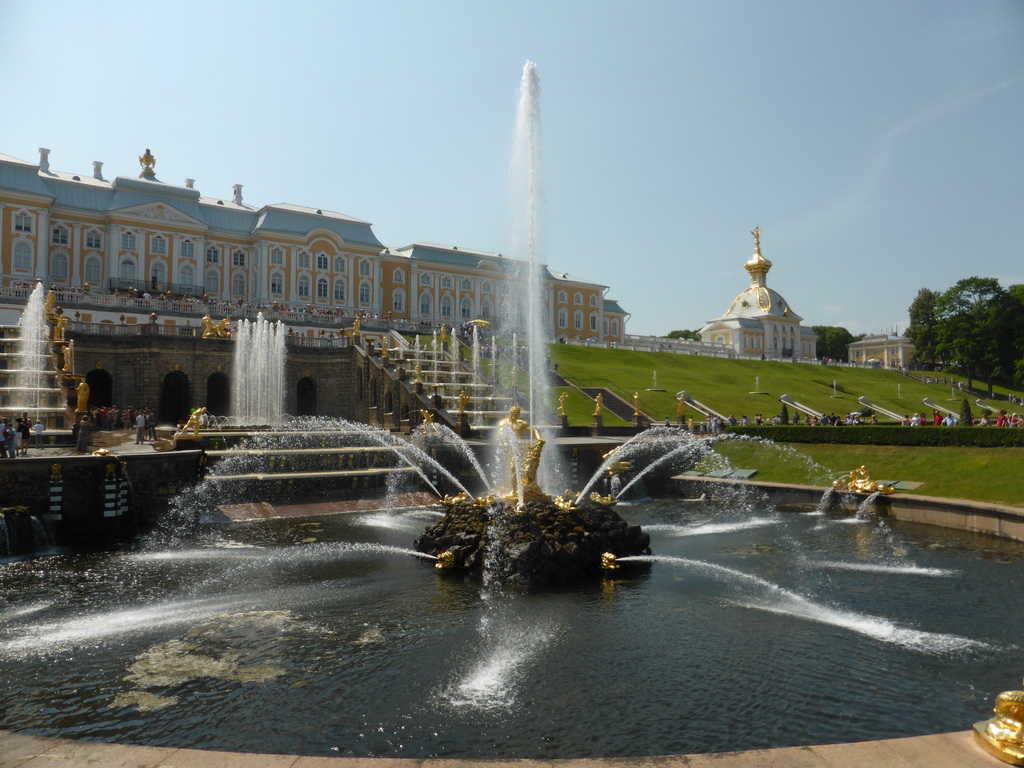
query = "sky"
x=876 y=143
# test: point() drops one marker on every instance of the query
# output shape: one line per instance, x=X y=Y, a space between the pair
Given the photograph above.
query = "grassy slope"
x=982 y=474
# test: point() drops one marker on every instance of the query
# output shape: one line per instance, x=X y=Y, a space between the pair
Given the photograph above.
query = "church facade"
x=759 y=322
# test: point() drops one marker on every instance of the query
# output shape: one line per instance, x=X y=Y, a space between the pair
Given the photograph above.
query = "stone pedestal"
x=190 y=443
x=462 y=424
x=563 y=421
x=598 y=422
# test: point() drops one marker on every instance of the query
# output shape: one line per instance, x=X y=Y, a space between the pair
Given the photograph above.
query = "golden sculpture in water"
x=193 y=424
x=428 y=419
x=445 y=560
x=523 y=475
x=1003 y=734
x=608 y=562
x=605 y=501
x=212 y=330
x=463 y=402
x=598 y=404
x=859 y=481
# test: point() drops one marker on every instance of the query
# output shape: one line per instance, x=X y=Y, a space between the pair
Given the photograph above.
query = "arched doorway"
x=306 y=405
x=174 y=398
x=101 y=388
x=218 y=394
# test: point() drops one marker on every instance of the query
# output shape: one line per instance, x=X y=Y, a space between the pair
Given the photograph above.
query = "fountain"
x=257 y=387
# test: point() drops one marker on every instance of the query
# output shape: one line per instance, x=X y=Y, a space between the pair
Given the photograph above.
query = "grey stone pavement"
x=945 y=750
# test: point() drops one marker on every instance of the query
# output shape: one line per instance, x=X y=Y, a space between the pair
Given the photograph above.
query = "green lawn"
x=726 y=385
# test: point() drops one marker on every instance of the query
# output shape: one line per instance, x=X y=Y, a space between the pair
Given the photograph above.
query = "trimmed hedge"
x=982 y=437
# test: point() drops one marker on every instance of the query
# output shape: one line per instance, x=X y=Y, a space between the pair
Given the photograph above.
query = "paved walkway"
x=944 y=750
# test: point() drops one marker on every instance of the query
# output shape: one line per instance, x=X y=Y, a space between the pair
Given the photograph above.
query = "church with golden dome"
x=759 y=321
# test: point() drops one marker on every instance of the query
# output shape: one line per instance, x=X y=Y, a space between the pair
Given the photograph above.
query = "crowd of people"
x=18 y=433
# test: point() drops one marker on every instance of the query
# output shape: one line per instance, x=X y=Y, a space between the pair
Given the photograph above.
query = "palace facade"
x=138 y=236
x=759 y=321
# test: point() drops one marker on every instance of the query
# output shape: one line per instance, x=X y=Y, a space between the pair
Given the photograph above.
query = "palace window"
x=339 y=263
x=321 y=288
x=277 y=257
x=187 y=249
x=59 y=266
x=563 y=297
x=93 y=270
x=486 y=286
x=364 y=268
x=593 y=300
x=577 y=320
x=593 y=321
x=339 y=290
x=398 y=300
x=446 y=282
x=93 y=239
x=577 y=298
x=615 y=327
x=304 y=286
x=364 y=293
x=127 y=271
x=303 y=259
x=425 y=304
x=211 y=283
x=22 y=222
x=238 y=285
x=157 y=276
x=466 y=309
x=23 y=256
x=276 y=283
x=398 y=276
x=446 y=307
x=485 y=310
x=158 y=245
x=238 y=259
x=127 y=241
x=563 y=318
x=322 y=262
x=424 y=279
x=59 y=235
x=467 y=284
x=212 y=254
x=187 y=277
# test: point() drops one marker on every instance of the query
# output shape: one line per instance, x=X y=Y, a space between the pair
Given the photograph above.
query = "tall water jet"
x=257 y=386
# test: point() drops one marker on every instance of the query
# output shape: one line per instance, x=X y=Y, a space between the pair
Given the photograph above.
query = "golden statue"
x=147 y=161
x=385 y=349
x=561 y=403
x=428 y=419
x=528 y=475
x=463 y=402
x=445 y=560
x=859 y=481
x=212 y=330
x=83 y=397
x=680 y=408
x=193 y=423
x=756 y=232
x=60 y=326
x=598 y=404
x=419 y=374
x=636 y=405
x=1003 y=735
x=50 y=303
x=69 y=360
x=525 y=475
x=608 y=562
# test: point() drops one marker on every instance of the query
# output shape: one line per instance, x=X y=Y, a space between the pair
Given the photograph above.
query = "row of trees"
x=975 y=328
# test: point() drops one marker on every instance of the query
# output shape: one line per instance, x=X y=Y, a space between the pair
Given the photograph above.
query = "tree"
x=966 y=417
x=691 y=335
x=784 y=415
x=832 y=341
x=974 y=329
x=923 y=328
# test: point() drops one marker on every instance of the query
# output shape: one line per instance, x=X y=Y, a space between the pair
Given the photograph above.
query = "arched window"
x=303 y=259
x=277 y=257
x=364 y=292
x=276 y=283
x=127 y=241
x=563 y=318
x=467 y=284
x=485 y=310
x=398 y=300
x=59 y=266
x=424 y=279
x=211 y=283
x=158 y=245
x=238 y=285
x=323 y=261
x=446 y=282
x=93 y=270
x=321 y=288
x=577 y=319
x=593 y=299
x=212 y=254
x=93 y=240
x=593 y=321
x=466 y=309
x=187 y=249
x=486 y=286
x=446 y=307
x=304 y=286
x=563 y=297
x=158 y=276
x=426 y=304
x=339 y=263
x=339 y=290
x=23 y=256
x=127 y=270
x=398 y=276
x=577 y=298
x=187 y=277
x=364 y=268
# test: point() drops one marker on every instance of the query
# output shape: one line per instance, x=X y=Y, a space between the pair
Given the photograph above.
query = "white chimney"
x=97 y=169
x=44 y=160
x=190 y=183
x=238 y=194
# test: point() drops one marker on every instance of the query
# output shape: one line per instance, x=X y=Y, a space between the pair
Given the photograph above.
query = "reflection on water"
x=329 y=637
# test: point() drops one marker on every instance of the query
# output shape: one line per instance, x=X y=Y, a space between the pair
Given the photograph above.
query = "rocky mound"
x=541 y=545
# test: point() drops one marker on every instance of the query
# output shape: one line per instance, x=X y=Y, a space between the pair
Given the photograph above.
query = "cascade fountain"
x=257 y=386
x=328 y=636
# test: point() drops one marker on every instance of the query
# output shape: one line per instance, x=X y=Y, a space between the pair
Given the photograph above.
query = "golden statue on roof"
x=147 y=161
x=756 y=232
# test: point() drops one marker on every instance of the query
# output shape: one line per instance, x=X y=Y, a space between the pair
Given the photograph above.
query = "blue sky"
x=878 y=144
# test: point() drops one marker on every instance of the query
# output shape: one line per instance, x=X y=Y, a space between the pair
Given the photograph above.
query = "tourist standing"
x=140 y=428
x=25 y=433
x=9 y=434
x=84 y=435
x=37 y=434
x=151 y=424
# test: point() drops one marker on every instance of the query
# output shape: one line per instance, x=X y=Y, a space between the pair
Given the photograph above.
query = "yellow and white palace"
x=143 y=235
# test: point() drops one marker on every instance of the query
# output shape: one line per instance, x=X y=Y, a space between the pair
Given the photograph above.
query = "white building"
x=759 y=321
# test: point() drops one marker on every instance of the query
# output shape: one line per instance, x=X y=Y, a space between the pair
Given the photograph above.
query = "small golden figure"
x=147 y=161
x=598 y=404
x=193 y=424
x=636 y=405
x=1003 y=735
x=561 y=403
x=463 y=402
x=445 y=560
x=608 y=562
x=212 y=330
x=83 y=397
x=60 y=327
x=419 y=374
